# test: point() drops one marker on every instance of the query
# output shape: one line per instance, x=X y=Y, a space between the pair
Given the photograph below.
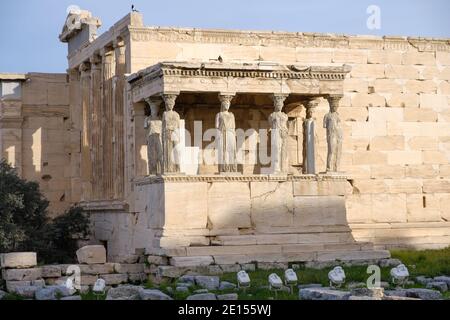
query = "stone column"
x=309 y=153
x=153 y=124
x=118 y=139
x=332 y=123
x=171 y=136
x=279 y=136
x=86 y=162
x=96 y=125
x=108 y=70
x=226 y=136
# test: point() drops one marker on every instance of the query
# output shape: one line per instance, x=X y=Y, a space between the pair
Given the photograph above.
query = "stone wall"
x=34 y=126
x=395 y=111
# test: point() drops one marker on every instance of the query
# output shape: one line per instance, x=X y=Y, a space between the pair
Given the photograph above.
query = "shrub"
x=25 y=225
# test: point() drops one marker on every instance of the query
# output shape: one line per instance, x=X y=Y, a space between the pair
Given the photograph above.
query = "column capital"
x=226 y=97
x=278 y=100
x=169 y=100
x=95 y=61
x=156 y=101
x=333 y=100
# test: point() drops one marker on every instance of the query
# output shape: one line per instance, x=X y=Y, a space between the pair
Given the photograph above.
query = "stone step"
x=353 y=255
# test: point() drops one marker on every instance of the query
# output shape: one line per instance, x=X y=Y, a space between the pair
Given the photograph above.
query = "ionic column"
x=96 y=125
x=226 y=137
x=309 y=154
x=86 y=163
x=279 y=136
x=171 y=136
x=118 y=148
x=108 y=70
x=332 y=123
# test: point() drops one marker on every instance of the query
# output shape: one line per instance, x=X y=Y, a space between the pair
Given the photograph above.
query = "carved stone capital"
x=225 y=100
x=333 y=100
x=278 y=100
x=169 y=100
x=84 y=68
x=95 y=61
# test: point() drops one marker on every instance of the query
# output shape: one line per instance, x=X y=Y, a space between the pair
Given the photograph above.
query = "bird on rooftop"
x=133 y=8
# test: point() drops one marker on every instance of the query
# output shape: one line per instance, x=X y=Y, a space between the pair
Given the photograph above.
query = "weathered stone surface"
x=91 y=254
x=365 y=292
x=11 y=286
x=113 y=279
x=125 y=292
x=94 y=269
x=51 y=271
x=191 y=261
x=52 y=292
x=152 y=294
x=71 y=298
x=2 y=294
x=181 y=289
x=439 y=285
x=27 y=291
x=390 y=262
x=158 y=260
x=323 y=294
x=21 y=274
x=187 y=279
x=423 y=280
x=228 y=296
x=198 y=291
x=202 y=296
x=424 y=294
x=18 y=260
x=128 y=268
x=208 y=282
x=363 y=298
x=445 y=279
x=225 y=285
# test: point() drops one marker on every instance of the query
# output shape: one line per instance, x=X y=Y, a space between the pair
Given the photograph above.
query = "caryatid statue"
x=309 y=163
x=153 y=124
x=226 y=136
x=279 y=136
x=333 y=125
x=170 y=136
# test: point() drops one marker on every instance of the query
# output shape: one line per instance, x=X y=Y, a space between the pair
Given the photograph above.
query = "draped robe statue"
x=309 y=137
x=226 y=136
x=333 y=125
x=279 y=135
x=154 y=143
x=171 y=137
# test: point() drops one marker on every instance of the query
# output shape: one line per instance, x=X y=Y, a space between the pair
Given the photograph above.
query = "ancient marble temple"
x=205 y=147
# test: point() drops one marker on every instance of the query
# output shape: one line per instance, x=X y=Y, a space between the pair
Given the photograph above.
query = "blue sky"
x=29 y=28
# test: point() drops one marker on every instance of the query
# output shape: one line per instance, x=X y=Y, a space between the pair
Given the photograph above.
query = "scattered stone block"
x=51 y=271
x=182 y=289
x=2 y=294
x=152 y=294
x=445 y=279
x=439 y=285
x=423 y=280
x=366 y=292
x=159 y=260
x=128 y=268
x=202 y=296
x=21 y=274
x=225 y=285
x=198 y=291
x=74 y=298
x=390 y=262
x=137 y=277
x=91 y=254
x=310 y=285
x=52 y=292
x=18 y=260
x=27 y=291
x=125 y=292
x=363 y=298
x=94 y=269
x=208 y=282
x=187 y=279
x=228 y=296
x=323 y=294
x=114 y=279
x=424 y=294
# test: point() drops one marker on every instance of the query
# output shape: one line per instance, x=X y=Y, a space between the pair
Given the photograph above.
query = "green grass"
x=430 y=263
x=92 y=296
